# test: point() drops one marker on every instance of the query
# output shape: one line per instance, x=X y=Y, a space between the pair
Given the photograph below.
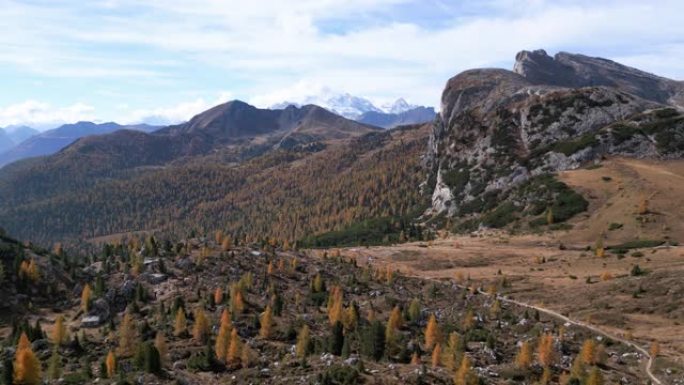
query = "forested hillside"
x=211 y=311
x=285 y=194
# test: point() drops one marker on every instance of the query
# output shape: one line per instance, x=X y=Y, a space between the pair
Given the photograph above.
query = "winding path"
x=634 y=345
x=649 y=364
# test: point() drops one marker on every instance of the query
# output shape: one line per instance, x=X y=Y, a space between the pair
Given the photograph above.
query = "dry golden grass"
x=571 y=279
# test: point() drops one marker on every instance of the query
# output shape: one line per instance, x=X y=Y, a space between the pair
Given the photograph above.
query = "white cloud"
x=298 y=92
x=43 y=115
x=177 y=113
x=278 y=50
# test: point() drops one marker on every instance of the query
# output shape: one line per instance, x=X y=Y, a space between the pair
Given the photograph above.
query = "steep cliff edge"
x=501 y=133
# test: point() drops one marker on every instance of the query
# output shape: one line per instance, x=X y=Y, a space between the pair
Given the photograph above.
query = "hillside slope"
x=286 y=193
x=635 y=210
x=51 y=141
x=204 y=311
x=235 y=130
x=499 y=134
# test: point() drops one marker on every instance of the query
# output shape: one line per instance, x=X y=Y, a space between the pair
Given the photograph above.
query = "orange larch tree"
x=547 y=356
x=266 y=323
x=27 y=369
x=432 y=333
x=223 y=338
x=59 y=333
x=523 y=359
x=181 y=323
x=110 y=364
x=200 y=329
x=233 y=355
x=86 y=295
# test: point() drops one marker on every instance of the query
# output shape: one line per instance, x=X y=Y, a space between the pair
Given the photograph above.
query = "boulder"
x=91 y=321
x=100 y=309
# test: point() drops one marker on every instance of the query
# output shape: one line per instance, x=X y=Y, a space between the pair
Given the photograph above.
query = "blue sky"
x=165 y=60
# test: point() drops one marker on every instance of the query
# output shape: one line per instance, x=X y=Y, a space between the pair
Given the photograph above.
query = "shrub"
x=339 y=375
x=570 y=147
x=614 y=226
x=501 y=216
x=637 y=271
x=456 y=179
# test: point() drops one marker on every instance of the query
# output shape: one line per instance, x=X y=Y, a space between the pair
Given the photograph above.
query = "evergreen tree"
x=595 y=377
x=99 y=285
x=147 y=358
x=373 y=343
x=54 y=365
x=7 y=371
x=336 y=340
x=346 y=347
x=414 y=310
x=277 y=304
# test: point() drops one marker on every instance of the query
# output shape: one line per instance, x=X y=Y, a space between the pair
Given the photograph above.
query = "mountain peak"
x=575 y=70
x=400 y=105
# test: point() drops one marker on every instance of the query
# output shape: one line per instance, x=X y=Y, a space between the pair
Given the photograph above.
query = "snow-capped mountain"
x=398 y=107
x=349 y=106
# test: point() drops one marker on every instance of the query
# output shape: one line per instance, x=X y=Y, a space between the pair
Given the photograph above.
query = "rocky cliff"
x=500 y=131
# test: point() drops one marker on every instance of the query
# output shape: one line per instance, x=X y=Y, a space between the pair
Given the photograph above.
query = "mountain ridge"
x=50 y=141
x=499 y=131
x=415 y=115
x=492 y=153
x=362 y=110
x=20 y=133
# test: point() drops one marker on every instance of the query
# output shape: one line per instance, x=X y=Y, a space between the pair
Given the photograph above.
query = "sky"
x=163 y=61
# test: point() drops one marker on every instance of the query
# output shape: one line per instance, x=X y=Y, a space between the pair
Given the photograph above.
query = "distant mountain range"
x=295 y=171
x=5 y=141
x=12 y=135
x=363 y=110
x=23 y=142
x=237 y=153
x=414 y=115
x=19 y=133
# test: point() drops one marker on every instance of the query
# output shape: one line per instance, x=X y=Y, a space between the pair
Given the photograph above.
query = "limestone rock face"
x=572 y=70
x=498 y=128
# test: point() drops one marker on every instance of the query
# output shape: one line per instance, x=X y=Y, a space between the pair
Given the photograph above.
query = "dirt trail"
x=549 y=312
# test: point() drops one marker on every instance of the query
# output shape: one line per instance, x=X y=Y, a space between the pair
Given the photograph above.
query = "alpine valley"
x=527 y=233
